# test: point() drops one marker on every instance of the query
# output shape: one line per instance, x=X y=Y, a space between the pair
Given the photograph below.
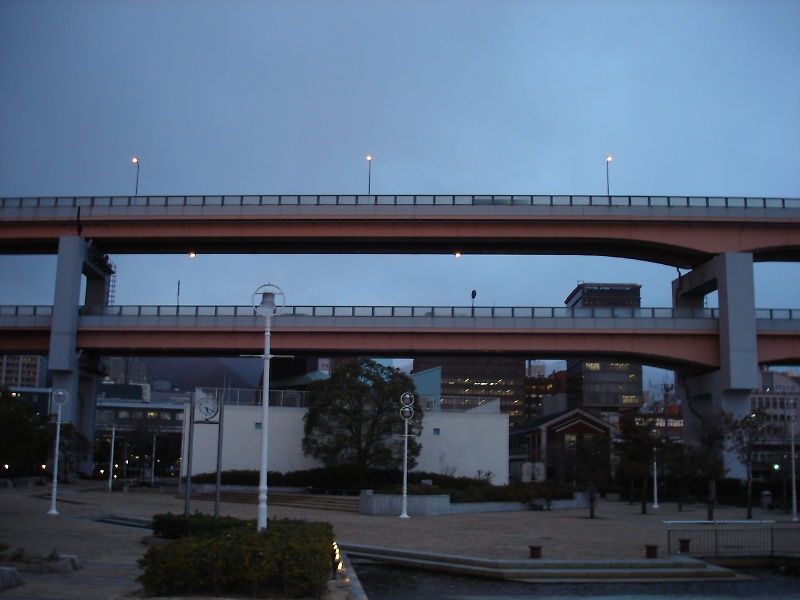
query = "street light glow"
x=609 y=158
x=134 y=160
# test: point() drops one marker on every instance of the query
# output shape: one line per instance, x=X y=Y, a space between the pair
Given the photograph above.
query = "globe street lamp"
x=60 y=397
x=407 y=399
x=608 y=187
x=268 y=308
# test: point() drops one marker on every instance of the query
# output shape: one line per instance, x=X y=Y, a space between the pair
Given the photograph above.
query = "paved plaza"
x=109 y=553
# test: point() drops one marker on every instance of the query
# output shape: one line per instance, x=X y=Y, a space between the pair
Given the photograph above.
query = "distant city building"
x=601 y=385
x=778 y=393
x=126 y=370
x=468 y=382
x=23 y=371
x=544 y=394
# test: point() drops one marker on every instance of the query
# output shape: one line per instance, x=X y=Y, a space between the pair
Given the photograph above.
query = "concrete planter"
x=392 y=504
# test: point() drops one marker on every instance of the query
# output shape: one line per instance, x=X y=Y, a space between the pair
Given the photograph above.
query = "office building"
x=604 y=385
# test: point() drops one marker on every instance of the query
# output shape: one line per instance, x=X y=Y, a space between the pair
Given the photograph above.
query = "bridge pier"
x=728 y=388
x=71 y=369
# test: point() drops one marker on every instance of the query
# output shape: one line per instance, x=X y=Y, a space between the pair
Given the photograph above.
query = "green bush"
x=173 y=527
x=290 y=557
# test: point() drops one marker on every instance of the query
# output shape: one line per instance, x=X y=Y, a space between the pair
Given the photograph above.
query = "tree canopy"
x=354 y=418
x=745 y=434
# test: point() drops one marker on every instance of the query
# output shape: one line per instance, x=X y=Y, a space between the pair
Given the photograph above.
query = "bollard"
x=651 y=551
x=683 y=545
x=536 y=551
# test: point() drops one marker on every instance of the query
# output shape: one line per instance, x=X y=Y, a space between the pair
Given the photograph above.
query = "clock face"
x=207 y=407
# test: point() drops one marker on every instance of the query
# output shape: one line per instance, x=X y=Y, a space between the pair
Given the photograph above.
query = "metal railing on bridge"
x=400 y=200
x=526 y=312
x=728 y=538
x=494 y=312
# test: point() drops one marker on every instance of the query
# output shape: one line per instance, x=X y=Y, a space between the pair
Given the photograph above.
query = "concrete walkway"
x=109 y=553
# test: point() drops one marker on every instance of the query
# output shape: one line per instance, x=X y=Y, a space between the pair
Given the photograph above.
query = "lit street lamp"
x=608 y=187
x=268 y=309
x=135 y=161
x=407 y=400
x=369 y=174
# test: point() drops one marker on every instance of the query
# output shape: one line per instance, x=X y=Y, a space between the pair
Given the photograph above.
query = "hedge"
x=291 y=557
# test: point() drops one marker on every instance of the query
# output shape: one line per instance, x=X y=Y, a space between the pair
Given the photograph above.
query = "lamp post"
x=369 y=174
x=608 y=187
x=407 y=399
x=268 y=309
x=60 y=397
x=135 y=161
x=655 y=474
x=111 y=462
x=792 y=418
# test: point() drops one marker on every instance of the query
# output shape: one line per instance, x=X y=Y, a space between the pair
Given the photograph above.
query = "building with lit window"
x=21 y=371
x=466 y=382
x=544 y=394
x=779 y=397
x=604 y=385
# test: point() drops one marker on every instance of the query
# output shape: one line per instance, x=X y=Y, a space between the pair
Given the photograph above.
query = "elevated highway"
x=680 y=231
x=717 y=239
x=684 y=339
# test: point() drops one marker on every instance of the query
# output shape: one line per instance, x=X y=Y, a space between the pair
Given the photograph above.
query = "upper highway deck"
x=680 y=231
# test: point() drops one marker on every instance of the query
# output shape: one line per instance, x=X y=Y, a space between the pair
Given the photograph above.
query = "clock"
x=207 y=407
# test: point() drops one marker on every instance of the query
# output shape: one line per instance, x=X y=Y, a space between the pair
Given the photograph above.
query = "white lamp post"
x=407 y=399
x=60 y=397
x=792 y=418
x=268 y=309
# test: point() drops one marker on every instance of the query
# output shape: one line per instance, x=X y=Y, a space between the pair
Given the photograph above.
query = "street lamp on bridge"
x=135 y=161
x=369 y=174
x=608 y=187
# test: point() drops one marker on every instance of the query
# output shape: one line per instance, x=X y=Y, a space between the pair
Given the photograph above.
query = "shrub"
x=291 y=557
x=173 y=527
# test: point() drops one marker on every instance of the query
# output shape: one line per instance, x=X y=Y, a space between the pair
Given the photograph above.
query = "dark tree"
x=637 y=450
x=24 y=439
x=679 y=465
x=593 y=465
x=354 y=419
x=744 y=435
x=706 y=452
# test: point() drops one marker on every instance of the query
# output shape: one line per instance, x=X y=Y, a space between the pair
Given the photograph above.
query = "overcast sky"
x=470 y=97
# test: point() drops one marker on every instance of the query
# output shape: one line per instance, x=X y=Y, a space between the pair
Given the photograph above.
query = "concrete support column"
x=63 y=361
x=706 y=396
x=70 y=370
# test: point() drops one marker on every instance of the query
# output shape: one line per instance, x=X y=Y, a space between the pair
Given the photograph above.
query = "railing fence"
x=728 y=538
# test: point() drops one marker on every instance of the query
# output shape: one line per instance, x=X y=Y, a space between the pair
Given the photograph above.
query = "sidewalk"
x=109 y=553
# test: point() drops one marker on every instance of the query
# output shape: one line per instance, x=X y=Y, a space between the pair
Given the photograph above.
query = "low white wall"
x=241 y=441
x=460 y=444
